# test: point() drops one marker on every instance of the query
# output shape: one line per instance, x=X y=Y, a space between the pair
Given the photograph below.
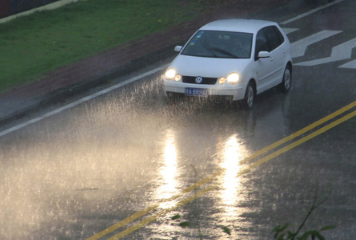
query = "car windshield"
x=219 y=44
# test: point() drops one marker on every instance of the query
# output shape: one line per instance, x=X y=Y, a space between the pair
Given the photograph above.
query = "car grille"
x=208 y=81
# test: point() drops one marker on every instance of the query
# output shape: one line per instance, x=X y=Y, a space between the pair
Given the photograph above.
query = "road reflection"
x=231 y=153
x=168 y=170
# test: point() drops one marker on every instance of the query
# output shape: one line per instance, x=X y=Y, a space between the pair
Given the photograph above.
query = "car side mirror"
x=264 y=54
x=178 y=48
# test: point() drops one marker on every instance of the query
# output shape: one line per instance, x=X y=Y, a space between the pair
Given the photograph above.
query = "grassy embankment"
x=33 y=45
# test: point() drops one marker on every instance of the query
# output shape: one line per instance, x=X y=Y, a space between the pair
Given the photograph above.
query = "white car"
x=235 y=58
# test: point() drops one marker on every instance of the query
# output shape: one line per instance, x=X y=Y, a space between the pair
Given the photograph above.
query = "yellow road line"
x=213 y=176
x=300 y=132
x=149 y=209
x=123 y=223
x=300 y=141
x=163 y=212
x=252 y=166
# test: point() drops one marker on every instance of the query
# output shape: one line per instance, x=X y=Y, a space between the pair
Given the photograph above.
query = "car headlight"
x=233 y=78
x=222 y=80
x=170 y=74
x=177 y=78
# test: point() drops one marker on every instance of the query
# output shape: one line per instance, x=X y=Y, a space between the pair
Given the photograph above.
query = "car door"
x=277 y=52
x=263 y=66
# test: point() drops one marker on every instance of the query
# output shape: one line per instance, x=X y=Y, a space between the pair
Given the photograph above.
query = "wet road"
x=127 y=162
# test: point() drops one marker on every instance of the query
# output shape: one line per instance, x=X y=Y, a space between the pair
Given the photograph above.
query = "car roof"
x=237 y=25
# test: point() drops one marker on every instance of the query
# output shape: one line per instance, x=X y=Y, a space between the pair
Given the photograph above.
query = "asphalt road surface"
x=126 y=165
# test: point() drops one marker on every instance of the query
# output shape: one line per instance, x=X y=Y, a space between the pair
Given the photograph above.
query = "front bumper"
x=235 y=92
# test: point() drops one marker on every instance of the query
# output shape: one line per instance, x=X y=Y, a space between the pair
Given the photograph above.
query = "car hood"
x=207 y=67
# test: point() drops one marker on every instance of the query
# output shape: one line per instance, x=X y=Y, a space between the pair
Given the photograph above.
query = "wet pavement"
x=74 y=174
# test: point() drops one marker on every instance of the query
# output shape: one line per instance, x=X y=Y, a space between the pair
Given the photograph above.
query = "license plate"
x=196 y=92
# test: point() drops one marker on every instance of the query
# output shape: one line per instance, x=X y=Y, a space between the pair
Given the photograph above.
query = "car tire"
x=286 y=83
x=250 y=95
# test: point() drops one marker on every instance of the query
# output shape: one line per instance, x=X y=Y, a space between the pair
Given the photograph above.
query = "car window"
x=273 y=37
x=280 y=35
x=261 y=43
x=219 y=44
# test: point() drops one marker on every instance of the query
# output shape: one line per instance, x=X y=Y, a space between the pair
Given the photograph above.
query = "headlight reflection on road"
x=232 y=155
x=168 y=170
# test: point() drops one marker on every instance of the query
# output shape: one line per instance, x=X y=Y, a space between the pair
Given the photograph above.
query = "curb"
x=50 y=6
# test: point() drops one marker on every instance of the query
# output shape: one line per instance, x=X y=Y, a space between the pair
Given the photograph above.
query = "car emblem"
x=198 y=80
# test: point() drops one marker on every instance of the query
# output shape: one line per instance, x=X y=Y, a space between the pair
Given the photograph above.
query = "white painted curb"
x=50 y=6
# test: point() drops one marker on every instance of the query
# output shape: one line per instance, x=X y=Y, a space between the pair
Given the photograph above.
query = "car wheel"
x=249 y=98
x=286 y=83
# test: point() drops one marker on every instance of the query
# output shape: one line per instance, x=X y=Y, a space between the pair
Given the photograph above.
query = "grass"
x=33 y=45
